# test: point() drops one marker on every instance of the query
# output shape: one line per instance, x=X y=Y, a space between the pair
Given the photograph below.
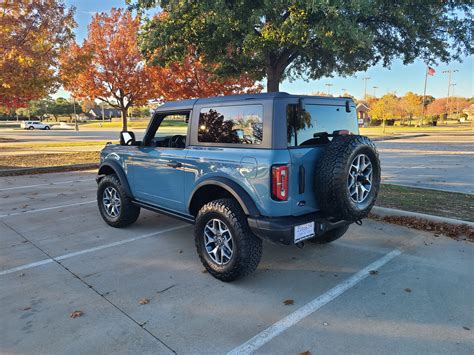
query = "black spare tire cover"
x=348 y=178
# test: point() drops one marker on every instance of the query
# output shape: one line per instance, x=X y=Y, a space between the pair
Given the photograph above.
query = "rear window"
x=309 y=128
x=231 y=124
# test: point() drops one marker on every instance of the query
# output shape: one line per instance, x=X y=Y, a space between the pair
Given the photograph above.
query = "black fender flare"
x=243 y=198
x=118 y=170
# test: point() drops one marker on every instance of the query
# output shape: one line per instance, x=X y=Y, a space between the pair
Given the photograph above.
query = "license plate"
x=304 y=231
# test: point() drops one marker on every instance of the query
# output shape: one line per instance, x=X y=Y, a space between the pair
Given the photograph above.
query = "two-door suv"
x=243 y=168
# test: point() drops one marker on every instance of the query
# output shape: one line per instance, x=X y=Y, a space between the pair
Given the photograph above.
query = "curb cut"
x=48 y=169
x=383 y=211
x=390 y=138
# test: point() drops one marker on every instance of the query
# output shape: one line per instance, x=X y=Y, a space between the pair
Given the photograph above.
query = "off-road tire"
x=330 y=235
x=332 y=174
x=128 y=212
x=247 y=247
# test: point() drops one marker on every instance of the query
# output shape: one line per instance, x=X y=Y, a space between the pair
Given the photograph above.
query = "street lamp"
x=366 y=78
x=329 y=88
x=449 y=72
x=375 y=88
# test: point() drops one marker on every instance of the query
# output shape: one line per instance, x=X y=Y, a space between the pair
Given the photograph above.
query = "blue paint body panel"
x=167 y=177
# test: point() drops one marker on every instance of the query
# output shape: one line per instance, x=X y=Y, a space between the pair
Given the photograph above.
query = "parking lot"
x=381 y=288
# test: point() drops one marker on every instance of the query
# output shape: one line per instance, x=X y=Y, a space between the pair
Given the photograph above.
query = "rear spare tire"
x=348 y=178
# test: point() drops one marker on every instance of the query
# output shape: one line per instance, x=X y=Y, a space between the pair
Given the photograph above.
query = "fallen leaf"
x=26 y=308
x=466 y=328
x=181 y=252
x=408 y=289
x=22 y=274
x=288 y=302
x=204 y=271
x=76 y=314
x=144 y=301
x=373 y=272
x=307 y=352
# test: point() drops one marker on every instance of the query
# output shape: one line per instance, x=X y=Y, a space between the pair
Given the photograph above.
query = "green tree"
x=280 y=39
x=387 y=107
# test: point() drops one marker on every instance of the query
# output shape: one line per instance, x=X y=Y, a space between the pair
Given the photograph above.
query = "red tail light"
x=280 y=182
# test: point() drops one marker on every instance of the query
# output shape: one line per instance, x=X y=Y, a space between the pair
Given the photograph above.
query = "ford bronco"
x=244 y=168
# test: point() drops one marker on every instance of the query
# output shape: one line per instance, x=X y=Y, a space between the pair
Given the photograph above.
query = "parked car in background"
x=34 y=125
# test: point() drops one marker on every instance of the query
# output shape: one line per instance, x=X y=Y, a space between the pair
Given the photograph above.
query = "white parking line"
x=47 y=208
x=48 y=184
x=279 y=327
x=86 y=251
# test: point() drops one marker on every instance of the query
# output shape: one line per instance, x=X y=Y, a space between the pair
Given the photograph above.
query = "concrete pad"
x=188 y=308
x=380 y=316
x=35 y=312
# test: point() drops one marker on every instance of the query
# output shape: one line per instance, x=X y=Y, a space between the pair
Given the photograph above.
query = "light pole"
x=329 y=88
x=375 y=88
x=449 y=72
x=75 y=115
x=366 y=78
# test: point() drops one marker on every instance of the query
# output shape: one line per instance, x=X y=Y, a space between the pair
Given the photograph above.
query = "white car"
x=34 y=125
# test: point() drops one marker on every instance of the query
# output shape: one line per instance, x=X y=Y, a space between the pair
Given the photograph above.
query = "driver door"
x=157 y=167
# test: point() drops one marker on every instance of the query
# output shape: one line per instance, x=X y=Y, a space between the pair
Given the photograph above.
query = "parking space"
x=58 y=256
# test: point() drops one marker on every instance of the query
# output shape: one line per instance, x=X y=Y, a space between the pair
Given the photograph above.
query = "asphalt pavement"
x=380 y=289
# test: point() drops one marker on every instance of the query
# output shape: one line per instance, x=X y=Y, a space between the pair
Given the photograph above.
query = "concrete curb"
x=48 y=169
x=389 y=138
x=383 y=211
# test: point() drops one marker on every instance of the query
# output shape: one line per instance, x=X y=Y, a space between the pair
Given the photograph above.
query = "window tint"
x=231 y=124
x=306 y=128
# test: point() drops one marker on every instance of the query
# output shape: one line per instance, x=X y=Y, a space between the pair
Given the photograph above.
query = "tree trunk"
x=124 y=119
x=273 y=79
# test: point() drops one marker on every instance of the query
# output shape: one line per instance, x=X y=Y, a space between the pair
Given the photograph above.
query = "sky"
x=398 y=78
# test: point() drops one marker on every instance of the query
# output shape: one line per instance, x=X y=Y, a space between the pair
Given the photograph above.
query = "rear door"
x=306 y=146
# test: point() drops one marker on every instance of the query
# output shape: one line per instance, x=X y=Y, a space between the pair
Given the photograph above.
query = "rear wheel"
x=31 y=127
x=47 y=128
x=330 y=235
x=226 y=246
x=115 y=207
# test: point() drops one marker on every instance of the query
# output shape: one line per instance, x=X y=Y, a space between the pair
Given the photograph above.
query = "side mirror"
x=127 y=138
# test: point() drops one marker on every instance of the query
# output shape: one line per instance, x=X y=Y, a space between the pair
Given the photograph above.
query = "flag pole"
x=424 y=98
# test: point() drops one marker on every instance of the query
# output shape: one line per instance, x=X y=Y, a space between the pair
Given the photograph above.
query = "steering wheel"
x=177 y=141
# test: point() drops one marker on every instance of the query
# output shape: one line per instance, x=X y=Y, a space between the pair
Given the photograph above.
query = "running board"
x=182 y=217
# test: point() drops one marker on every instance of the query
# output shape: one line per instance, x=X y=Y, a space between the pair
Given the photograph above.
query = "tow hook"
x=300 y=245
x=358 y=222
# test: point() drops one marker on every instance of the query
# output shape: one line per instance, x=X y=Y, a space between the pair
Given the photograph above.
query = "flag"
x=431 y=71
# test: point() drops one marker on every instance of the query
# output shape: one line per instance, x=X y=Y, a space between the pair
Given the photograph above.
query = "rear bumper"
x=281 y=230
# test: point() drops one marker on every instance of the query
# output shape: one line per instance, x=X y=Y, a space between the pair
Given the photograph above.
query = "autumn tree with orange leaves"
x=109 y=67
x=32 y=33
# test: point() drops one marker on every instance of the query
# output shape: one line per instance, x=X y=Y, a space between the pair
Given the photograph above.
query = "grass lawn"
x=397 y=130
x=439 y=203
x=46 y=160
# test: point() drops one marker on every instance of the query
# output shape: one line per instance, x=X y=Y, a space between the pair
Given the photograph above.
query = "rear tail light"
x=280 y=182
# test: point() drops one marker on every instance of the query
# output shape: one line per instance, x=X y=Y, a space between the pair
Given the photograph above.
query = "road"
x=442 y=161
x=438 y=161
x=57 y=256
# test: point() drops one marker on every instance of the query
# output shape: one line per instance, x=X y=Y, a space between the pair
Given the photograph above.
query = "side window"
x=172 y=131
x=309 y=128
x=231 y=124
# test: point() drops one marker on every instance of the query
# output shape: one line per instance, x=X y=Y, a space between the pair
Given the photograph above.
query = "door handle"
x=174 y=164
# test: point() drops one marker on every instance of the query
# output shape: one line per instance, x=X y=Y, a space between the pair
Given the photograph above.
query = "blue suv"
x=284 y=168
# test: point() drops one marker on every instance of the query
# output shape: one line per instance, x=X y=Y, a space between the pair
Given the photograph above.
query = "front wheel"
x=47 y=128
x=115 y=207
x=31 y=127
x=330 y=235
x=224 y=242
